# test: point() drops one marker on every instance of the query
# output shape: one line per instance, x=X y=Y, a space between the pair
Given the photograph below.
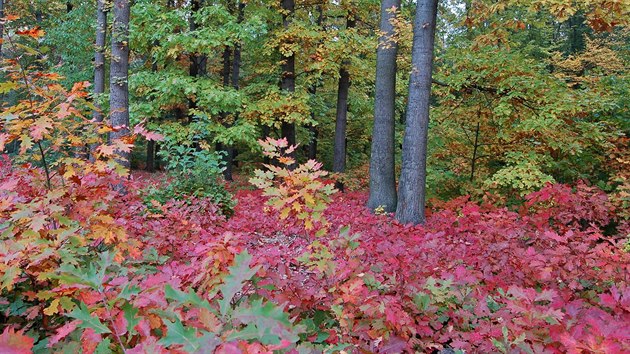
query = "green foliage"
x=522 y=175
x=194 y=173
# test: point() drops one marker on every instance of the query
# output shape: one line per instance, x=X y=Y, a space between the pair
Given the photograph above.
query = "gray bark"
x=119 y=72
x=341 y=121
x=382 y=163
x=99 y=58
x=412 y=187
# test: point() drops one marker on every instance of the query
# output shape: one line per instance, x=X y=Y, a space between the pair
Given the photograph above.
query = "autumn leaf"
x=35 y=32
x=12 y=342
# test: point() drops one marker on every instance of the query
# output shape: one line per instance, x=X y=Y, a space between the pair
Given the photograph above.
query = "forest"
x=314 y=176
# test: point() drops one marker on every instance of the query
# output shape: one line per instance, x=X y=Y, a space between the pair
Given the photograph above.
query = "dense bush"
x=193 y=173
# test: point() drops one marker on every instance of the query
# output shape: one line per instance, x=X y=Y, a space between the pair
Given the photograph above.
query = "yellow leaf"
x=53 y=308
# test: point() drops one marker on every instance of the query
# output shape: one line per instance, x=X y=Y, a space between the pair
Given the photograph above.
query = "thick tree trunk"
x=287 y=83
x=411 y=190
x=382 y=162
x=118 y=78
x=99 y=58
x=339 y=158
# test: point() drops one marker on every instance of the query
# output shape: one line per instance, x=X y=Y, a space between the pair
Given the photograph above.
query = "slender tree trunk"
x=99 y=59
x=119 y=72
x=1 y=26
x=341 y=121
x=382 y=162
x=473 y=163
x=411 y=190
x=150 y=156
x=227 y=66
x=151 y=144
x=312 y=128
x=287 y=82
x=236 y=73
x=197 y=67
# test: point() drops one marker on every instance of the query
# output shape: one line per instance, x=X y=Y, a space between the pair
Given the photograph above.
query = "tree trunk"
x=339 y=158
x=382 y=163
x=118 y=78
x=99 y=59
x=287 y=83
x=150 y=156
x=227 y=78
x=1 y=26
x=198 y=62
x=312 y=128
x=411 y=191
x=236 y=73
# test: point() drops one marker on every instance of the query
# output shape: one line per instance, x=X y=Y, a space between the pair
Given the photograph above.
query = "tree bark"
x=382 y=163
x=150 y=156
x=412 y=187
x=1 y=26
x=341 y=121
x=99 y=58
x=287 y=83
x=118 y=78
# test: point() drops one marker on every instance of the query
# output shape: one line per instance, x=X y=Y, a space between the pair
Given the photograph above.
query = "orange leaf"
x=35 y=32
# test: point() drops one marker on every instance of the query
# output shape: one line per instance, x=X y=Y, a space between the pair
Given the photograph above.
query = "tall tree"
x=235 y=75
x=119 y=75
x=99 y=57
x=287 y=82
x=411 y=190
x=341 y=120
x=382 y=163
x=198 y=62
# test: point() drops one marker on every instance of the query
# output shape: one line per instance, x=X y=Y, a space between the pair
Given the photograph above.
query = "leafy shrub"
x=193 y=173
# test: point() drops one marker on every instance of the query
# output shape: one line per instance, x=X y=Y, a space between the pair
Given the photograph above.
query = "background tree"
x=119 y=75
x=99 y=57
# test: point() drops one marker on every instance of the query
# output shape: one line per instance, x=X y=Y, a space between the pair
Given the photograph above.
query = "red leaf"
x=62 y=332
x=12 y=342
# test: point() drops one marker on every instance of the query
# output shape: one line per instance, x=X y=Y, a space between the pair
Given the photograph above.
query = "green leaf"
x=88 y=321
x=103 y=347
x=265 y=322
x=178 y=335
x=240 y=272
